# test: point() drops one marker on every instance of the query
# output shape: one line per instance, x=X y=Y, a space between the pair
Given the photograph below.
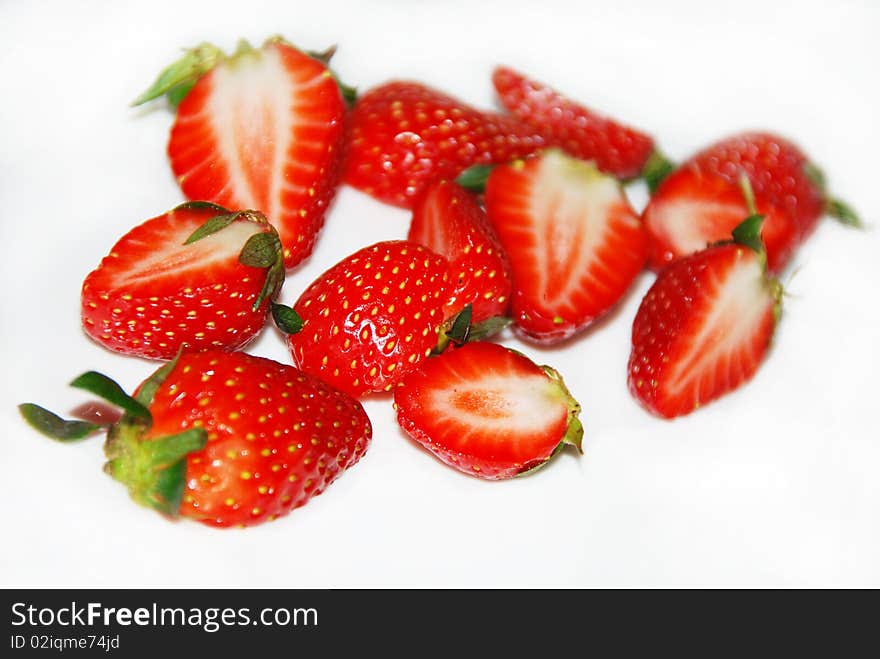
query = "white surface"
x=775 y=485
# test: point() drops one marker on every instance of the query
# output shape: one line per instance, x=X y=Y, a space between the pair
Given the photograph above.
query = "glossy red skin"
x=667 y=324
x=494 y=456
x=404 y=134
x=448 y=220
x=507 y=197
x=373 y=317
x=200 y=309
x=616 y=149
x=276 y=436
x=311 y=168
x=778 y=172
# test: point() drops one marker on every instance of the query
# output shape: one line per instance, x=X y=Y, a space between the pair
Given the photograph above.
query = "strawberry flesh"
x=449 y=221
x=264 y=129
x=702 y=330
x=487 y=411
x=574 y=242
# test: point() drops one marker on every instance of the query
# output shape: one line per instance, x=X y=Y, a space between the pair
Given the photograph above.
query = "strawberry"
x=404 y=134
x=449 y=221
x=701 y=201
x=616 y=149
x=705 y=325
x=261 y=128
x=196 y=276
x=574 y=242
x=223 y=438
x=371 y=318
x=488 y=411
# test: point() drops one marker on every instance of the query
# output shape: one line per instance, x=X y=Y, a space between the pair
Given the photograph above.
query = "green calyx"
x=574 y=430
x=286 y=318
x=474 y=178
x=153 y=470
x=657 y=168
x=177 y=79
x=836 y=208
x=349 y=93
x=460 y=329
x=262 y=250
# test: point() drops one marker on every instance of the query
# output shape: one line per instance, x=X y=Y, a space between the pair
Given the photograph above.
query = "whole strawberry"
x=448 y=220
x=224 y=438
x=488 y=411
x=705 y=326
x=583 y=133
x=702 y=201
x=198 y=276
x=371 y=318
x=404 y=135
x=262 y=128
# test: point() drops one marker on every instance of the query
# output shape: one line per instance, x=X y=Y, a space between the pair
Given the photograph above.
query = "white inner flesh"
x=252 y=102
x=741 y=300
x=177 y=258
x=524 y=404
x=681 y=222
x=570 y=205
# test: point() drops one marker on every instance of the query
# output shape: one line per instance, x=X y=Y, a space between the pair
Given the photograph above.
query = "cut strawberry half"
x=616 y=149
x=692 y=209
x=574 y=242
x=488 y=411
x=701 y=202
x=198 y=276
x=705 y=325
x=449 y=221
x=262 y=129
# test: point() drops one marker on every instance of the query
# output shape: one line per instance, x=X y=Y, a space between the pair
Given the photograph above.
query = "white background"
x=777 y=485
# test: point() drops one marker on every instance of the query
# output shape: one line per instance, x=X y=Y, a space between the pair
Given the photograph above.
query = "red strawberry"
x=574 y=242
x=705 y=325
x=196 y=276
x=488 y=411
x=616 y=149
x=223 y=438
x=404 y=134
x=263 y=129
x=448 y=220
x=701 y=202
x=373 y=317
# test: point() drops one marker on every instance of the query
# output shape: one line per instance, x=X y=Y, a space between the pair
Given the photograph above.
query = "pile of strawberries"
x=518 y=218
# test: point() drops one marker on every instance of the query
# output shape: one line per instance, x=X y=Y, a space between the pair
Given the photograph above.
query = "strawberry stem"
x=657 y=168
x=176 y=79
x=474 y=178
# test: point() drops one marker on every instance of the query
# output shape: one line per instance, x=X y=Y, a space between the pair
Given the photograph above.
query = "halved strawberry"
x=701 y=202
x=583 y=133
x=449 y=221
x=705 y=325
x=404 y=135
x=195 y=277
x=488 y=411
x=370 y=319
x=574 y=242
x=261 y=128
